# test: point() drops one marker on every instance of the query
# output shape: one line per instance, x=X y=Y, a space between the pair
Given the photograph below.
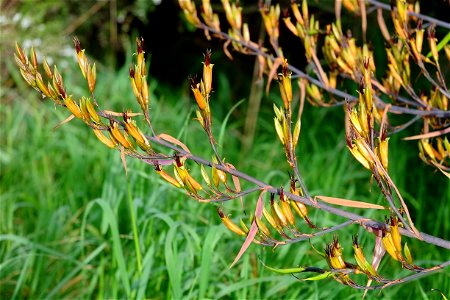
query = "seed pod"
x=205 y=175
x=22 y=57
x=191 y=185
x=419 y=39
x=207 y=72
x=73 y=107
x=388 y=244
x=167 y=177
x=84 y=111
x=286 y=132
x=447 y=51
x=138 y=78
x=333 y=253
x=271 y=220
x=285 y=83
x=91 y=78
x=222 y=176
x=299 y=208
x=383 y=152
x=363 y=148
x=305 y=10
x=145 y=95
x=136 y=133
x=296 y=133
x=279 y=130
x=290 y=25
x=432 y=44
x=354 y=119
x=363 y=116
x=230 y=224
x=361 y=261
x=201 y=102
x=52 y=92
x=29 y=78
x=313 y=92
x=92 y=112
x=447 y=146
x=399 y=28
x=176 y=173
x=278 y=214
x=244 y=226
x=401 y=10
x=333 y=78
x=140 y=50
x=108 y=142
x=279 y=112
x=286 y=209
x=348 y=56
x=394 y=73
x=297 y=14
x=22 y=66
x=428 y=149
x=440 y=147
x=47 y=68
x=41 y=85
x=58 y=83
x=33 y=57
x=336 y=31
x=396 y=237
x=343 y=65
x=408 y=255
x=119 y=136
x=359 y=157
x=215 y=176
x=368 y=91
x=262 y=227
x=186 y=179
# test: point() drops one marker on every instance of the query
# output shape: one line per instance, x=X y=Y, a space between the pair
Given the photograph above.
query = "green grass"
x=74 y=226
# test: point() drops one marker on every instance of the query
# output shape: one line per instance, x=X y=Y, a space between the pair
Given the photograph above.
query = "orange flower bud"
x=201 y=102
x=119 y=136
x=166 y=176
x=230 y=224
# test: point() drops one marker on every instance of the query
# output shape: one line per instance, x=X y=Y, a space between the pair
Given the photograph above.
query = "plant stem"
x=135 y=231
x=367 y=223
x=424 y=17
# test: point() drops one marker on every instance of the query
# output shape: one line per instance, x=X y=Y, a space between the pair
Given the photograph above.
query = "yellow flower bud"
x=73 y=107
x=108 y=142
x=207 y=73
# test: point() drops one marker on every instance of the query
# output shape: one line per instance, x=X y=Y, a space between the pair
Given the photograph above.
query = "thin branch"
x=423 y=273
x=298 y=73
x=367 y=223
x=411 y=13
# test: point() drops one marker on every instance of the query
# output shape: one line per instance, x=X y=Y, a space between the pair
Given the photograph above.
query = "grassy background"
x=65 y=222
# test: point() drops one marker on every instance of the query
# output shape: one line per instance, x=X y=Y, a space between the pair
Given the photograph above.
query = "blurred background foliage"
x=63 y=204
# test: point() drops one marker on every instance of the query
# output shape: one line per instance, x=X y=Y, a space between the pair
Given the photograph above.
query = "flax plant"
x=282 y=216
